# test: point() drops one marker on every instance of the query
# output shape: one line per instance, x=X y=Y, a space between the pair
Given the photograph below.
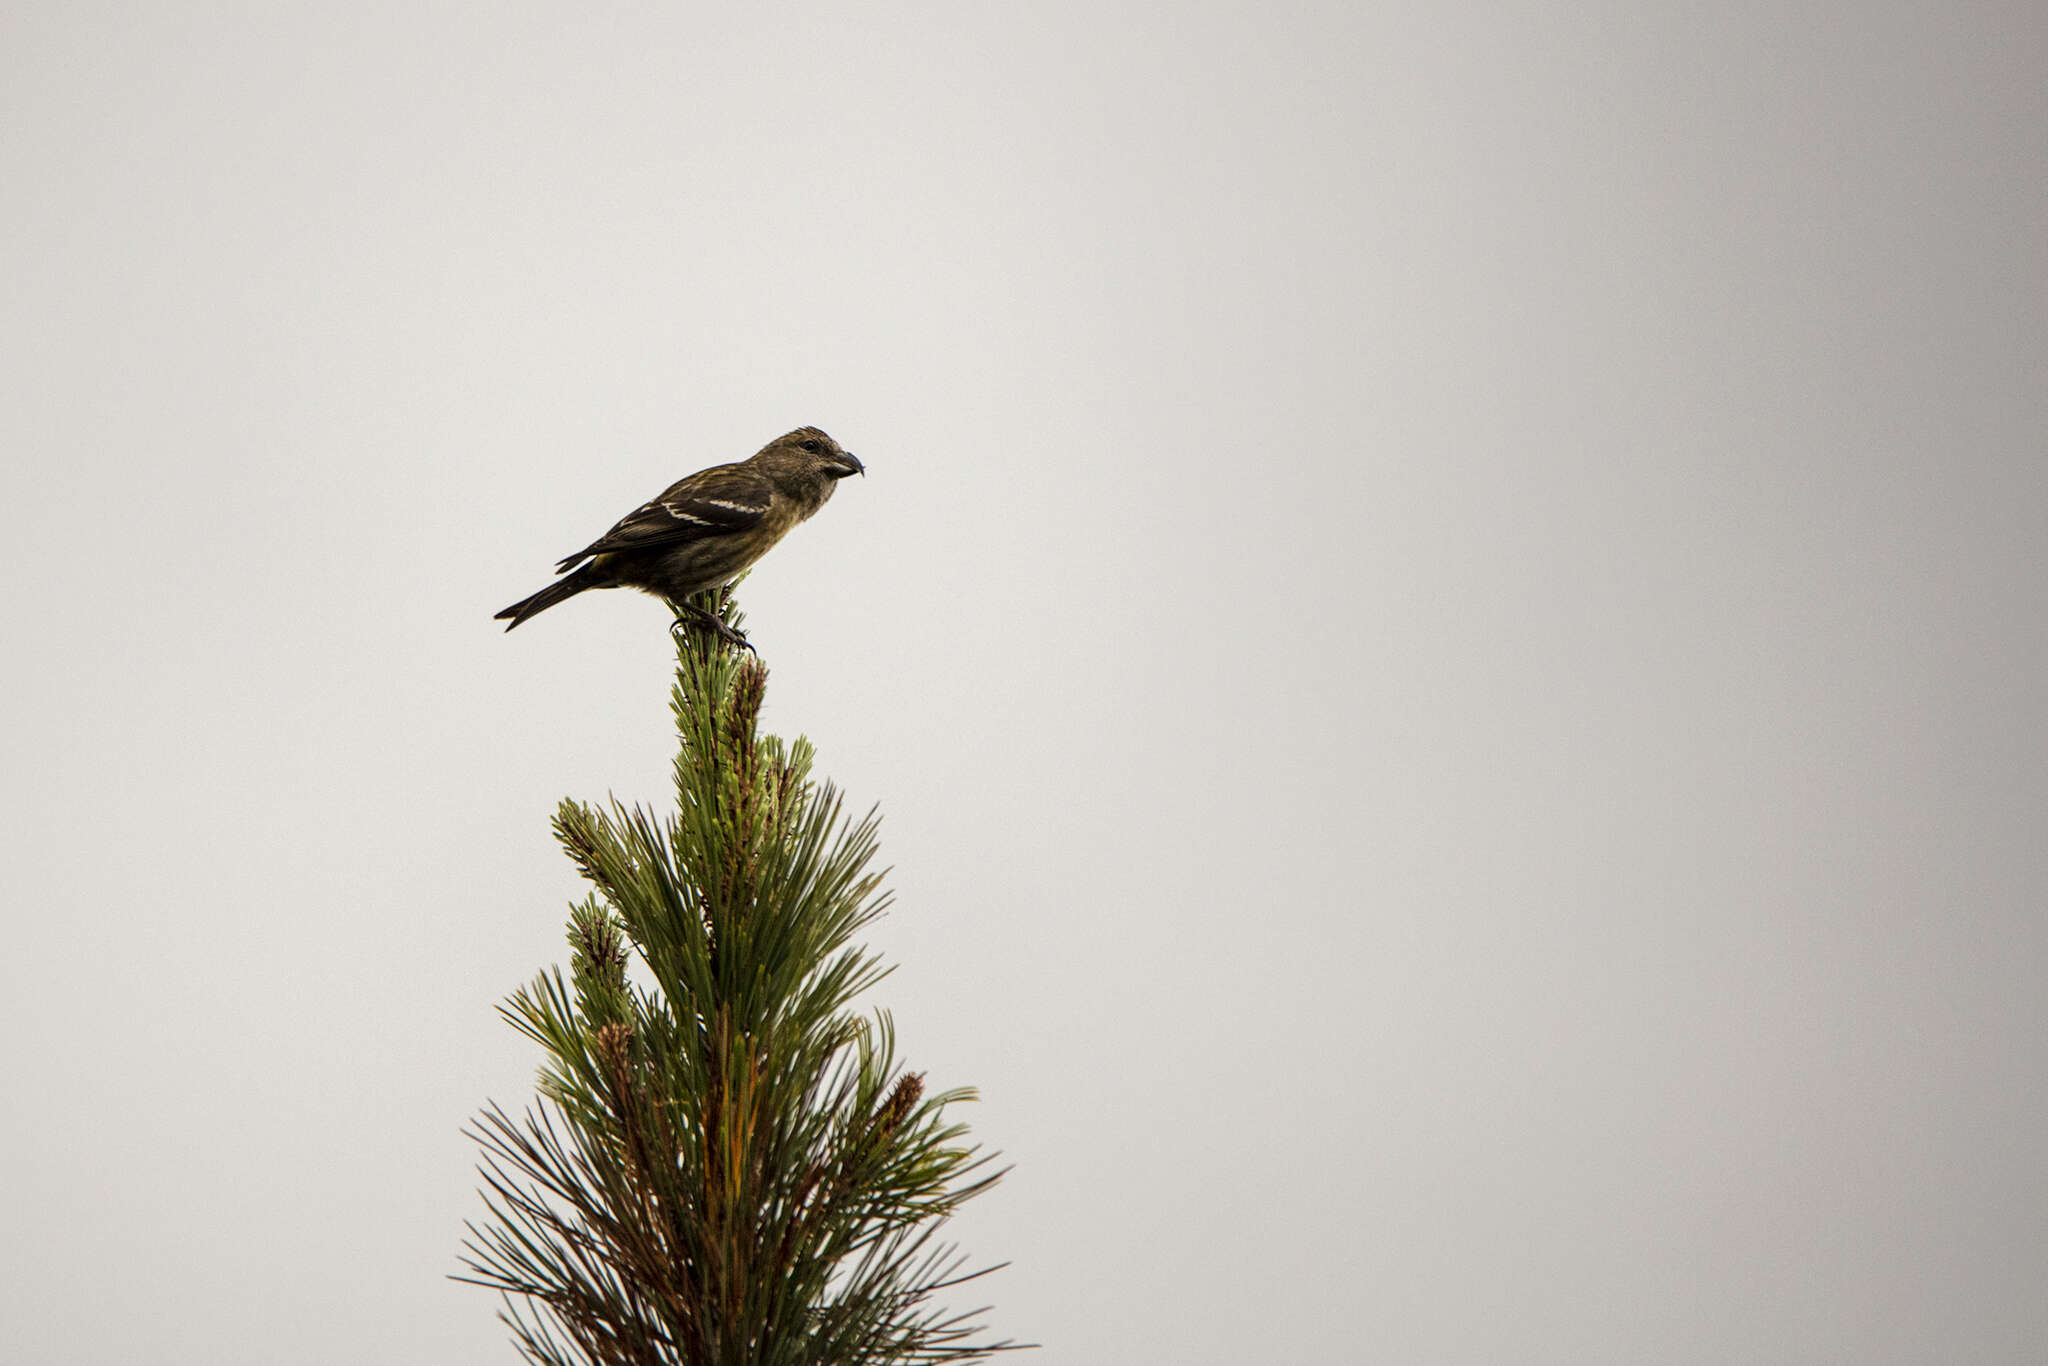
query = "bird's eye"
x=813 y=445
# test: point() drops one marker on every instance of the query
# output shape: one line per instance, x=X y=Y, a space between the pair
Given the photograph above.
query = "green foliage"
x=725 y=1164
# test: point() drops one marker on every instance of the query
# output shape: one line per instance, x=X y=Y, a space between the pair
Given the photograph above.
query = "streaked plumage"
x=704 y=529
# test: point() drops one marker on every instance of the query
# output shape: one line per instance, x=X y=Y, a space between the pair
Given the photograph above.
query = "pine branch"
x=725 y=1164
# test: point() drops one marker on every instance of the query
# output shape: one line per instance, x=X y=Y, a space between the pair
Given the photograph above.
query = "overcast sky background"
x=1447 y=621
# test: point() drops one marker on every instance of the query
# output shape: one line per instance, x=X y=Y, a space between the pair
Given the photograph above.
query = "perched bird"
x=704 y=529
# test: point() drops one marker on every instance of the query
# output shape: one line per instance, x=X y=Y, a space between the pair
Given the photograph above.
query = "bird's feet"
x=688 y=614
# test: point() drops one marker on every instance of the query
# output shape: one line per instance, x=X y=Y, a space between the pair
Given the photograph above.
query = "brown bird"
x=704 y=529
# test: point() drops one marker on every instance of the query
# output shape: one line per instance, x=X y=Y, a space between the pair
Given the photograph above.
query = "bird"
x=704 y=529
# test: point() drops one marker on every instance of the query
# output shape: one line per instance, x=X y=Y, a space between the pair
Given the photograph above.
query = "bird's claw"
x=696 y=616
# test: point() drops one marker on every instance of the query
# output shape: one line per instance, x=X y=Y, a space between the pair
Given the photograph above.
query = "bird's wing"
x=715 y=502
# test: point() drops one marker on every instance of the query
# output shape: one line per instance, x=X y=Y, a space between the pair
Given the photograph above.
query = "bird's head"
x=805 y=456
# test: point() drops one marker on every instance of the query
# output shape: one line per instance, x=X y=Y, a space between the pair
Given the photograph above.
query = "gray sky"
x=1447 y=620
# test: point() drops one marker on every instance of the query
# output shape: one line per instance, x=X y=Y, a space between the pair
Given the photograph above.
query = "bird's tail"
x=558 y=591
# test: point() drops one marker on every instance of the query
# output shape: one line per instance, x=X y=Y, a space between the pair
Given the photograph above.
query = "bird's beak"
x=848 y=465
